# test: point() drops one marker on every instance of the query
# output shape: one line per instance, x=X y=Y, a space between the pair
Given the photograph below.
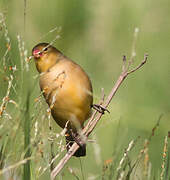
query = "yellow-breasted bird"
x=67 y=90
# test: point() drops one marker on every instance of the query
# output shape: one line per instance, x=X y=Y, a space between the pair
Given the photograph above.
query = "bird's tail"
x=81 y=151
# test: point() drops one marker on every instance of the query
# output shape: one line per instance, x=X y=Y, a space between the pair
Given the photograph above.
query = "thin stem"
x=96 y=116
x=81 y=167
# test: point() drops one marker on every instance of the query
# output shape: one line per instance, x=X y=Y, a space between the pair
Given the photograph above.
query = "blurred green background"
x=95 y=34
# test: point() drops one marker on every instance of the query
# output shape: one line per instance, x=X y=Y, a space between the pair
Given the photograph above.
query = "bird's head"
x=45 y=56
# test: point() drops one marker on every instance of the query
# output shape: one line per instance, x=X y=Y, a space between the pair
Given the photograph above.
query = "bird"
x=67 y=90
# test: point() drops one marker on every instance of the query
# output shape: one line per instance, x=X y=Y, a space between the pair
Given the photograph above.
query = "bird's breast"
x=67 y=90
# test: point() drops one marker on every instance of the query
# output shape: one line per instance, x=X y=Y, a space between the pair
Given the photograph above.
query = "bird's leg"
x=100 y=108
x=72 y=137
x=77 y=138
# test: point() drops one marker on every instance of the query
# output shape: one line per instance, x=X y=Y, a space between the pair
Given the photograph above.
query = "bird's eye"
x=45 y=49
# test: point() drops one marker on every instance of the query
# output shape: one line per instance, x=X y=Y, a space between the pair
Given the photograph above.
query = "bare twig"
x=140 y=65
x=95 y=118
x=87 y=130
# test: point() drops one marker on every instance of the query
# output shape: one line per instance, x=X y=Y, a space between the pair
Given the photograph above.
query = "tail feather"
x=81 y=151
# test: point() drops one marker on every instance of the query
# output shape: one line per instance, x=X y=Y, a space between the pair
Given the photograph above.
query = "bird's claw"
x=100 y=108
x=77 y=138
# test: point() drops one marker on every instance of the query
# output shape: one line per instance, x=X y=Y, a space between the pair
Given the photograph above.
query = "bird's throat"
x=44 y=64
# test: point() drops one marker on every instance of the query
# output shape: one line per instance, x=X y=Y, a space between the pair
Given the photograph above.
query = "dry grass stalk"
x=125 y=155
x=15 y=165
x=164 y=156
x=146 y=161
x=6 y=99
x=147 y=141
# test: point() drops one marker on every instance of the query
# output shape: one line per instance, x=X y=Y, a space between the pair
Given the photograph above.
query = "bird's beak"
x=29 y=58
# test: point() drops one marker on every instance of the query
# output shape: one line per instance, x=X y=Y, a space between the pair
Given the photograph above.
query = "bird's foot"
x=100 y=108
x=80 y=140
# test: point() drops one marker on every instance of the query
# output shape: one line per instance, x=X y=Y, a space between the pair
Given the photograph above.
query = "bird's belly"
x=68 y=105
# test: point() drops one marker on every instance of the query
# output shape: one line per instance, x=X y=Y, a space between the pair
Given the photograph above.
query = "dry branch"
x=96 y=115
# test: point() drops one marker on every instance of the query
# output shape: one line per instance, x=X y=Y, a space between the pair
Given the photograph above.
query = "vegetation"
x=129 y=143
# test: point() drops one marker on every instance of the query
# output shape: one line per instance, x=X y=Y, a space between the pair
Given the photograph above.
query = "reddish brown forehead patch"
x=37 y=53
